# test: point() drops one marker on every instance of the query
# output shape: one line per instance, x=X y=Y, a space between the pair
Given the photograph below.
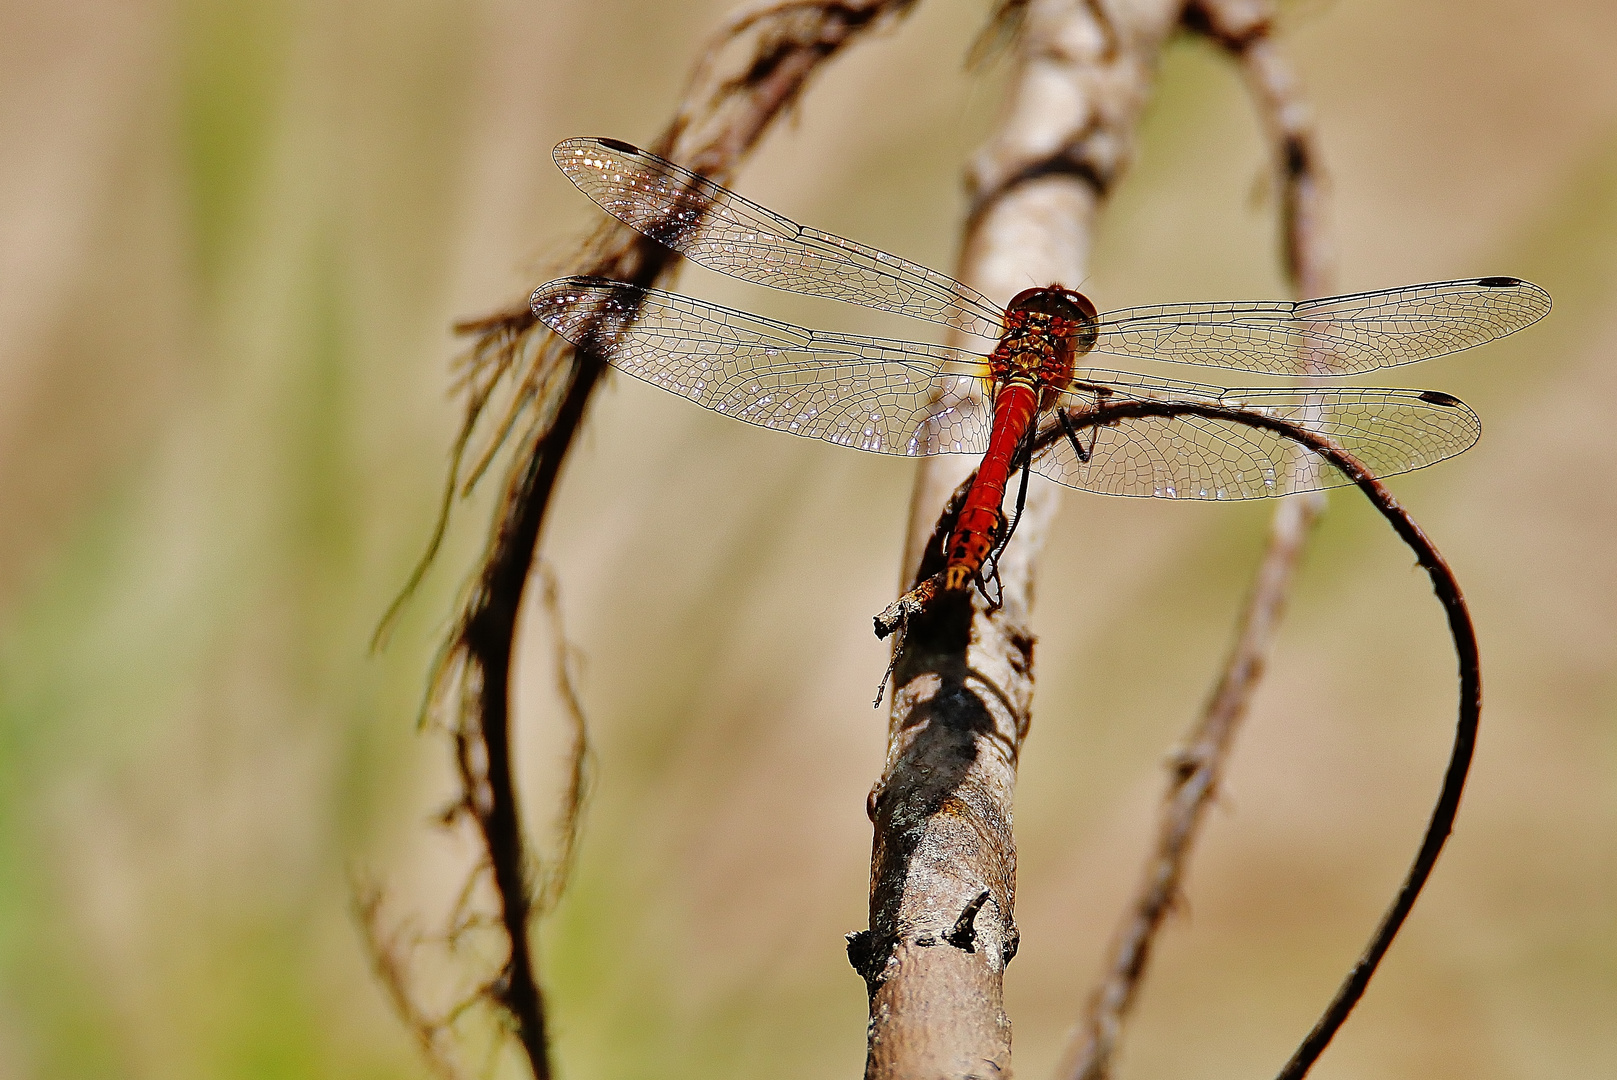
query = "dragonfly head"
x=1071 y=313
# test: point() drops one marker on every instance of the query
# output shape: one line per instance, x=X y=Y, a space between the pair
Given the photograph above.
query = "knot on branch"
x=872 y=954
x=963 y=935
x=869 y=956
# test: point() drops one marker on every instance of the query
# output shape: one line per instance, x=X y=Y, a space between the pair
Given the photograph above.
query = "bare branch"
x=963 y=673
x=1243 y=28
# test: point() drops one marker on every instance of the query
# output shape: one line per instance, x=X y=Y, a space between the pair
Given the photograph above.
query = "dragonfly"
x=912 y=399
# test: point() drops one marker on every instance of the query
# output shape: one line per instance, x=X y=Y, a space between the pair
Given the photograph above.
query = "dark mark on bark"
x=1182 y=765
x=1013 y=941
x=1070 y=162
x=1237 y=39
x=1022 y=656
x=1295 y=150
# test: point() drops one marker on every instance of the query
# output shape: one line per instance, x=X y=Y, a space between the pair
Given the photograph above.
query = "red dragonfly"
x=910 y=398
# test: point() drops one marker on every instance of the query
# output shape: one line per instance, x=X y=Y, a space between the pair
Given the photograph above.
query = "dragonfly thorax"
x=1046 y=329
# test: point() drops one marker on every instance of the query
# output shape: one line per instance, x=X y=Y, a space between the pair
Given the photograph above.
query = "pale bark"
x=943 y=871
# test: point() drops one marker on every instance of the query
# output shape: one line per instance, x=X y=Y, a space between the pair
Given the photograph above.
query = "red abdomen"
x=978 y=527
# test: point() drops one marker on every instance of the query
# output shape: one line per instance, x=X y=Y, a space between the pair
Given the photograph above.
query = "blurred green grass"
x=233 y=237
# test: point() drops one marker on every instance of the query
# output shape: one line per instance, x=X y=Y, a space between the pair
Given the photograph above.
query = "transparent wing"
x=717 y=228
x=888 y=397
x=1195 y=457
x=1337 y=335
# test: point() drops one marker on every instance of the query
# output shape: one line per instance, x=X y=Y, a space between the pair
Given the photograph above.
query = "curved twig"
x=1448 y=593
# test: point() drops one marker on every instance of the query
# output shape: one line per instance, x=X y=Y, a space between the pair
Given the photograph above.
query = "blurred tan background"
x=232 y=237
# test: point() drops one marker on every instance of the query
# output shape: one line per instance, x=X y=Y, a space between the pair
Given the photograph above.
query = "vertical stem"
x=752 y=72
x=943 y=867
x=1244 y=30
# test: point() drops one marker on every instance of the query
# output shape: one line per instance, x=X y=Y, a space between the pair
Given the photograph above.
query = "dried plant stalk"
x=1244 y=29
x=756 y=67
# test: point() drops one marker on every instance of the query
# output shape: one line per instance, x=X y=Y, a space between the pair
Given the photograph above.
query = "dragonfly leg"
x=898 y=648
x=1072 y=437
x=996 y=601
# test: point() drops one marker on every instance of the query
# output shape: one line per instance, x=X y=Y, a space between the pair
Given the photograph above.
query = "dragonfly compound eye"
x=1085 y=318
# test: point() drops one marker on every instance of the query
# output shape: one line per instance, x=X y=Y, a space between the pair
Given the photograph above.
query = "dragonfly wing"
x=1337 y=335
x=889 y=397
x=1201 y=457
x=717 y=228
